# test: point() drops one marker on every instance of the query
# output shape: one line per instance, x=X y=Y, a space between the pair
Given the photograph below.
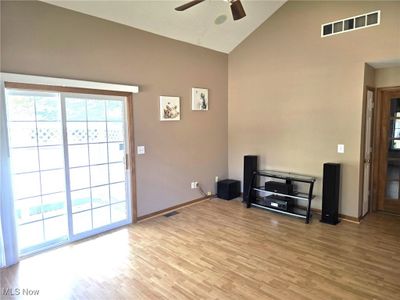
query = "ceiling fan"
x=236 y=7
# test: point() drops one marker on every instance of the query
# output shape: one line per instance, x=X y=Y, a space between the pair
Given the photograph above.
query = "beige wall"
x=369 y=76
x=41 y=39
x=387 y=77
x=293 y=96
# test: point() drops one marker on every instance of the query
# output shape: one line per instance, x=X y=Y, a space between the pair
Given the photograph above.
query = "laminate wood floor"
x=220 y=250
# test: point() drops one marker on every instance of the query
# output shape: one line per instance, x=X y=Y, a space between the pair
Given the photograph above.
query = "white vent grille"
x=352 y=23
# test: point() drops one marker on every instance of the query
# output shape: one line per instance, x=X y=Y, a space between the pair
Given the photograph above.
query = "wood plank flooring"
x=220 y=250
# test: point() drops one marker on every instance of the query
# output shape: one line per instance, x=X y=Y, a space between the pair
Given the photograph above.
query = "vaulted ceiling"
x=208 y=24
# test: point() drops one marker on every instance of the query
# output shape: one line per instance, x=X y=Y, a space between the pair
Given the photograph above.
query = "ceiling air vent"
x=350 y=24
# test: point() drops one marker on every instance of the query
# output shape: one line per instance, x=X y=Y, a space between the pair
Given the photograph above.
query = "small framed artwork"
x=199 y=99
x=170 y=109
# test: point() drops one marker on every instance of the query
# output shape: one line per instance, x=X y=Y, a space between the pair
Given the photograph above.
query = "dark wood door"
x=389 y=152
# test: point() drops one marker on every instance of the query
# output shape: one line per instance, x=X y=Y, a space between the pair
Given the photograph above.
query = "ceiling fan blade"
x=188 y=5
x=237 y=10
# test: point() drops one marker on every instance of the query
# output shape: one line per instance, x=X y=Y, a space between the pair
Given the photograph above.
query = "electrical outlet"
x=216 y=178
x=208 y=193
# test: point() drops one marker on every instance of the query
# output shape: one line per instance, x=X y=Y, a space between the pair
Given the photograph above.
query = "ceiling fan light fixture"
x=220 y=19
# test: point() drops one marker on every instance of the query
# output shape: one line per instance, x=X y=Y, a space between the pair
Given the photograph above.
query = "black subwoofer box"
x=330 y=194
x=228 y=189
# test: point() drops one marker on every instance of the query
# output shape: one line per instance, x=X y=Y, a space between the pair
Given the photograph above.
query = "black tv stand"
x=257 y=195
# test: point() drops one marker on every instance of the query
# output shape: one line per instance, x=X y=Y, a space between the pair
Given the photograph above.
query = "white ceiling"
x=197 y=25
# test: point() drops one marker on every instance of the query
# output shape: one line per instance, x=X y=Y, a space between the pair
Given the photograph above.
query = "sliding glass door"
x=96 y=161
x=37 y=160
x=68 y=160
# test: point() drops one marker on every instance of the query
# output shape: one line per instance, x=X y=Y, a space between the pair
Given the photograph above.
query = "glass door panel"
x=389 y=160
x=96 y=146
x=394 y=125
x=393 y=155
x=392 y=190
x=393 y=180
x=37 y=161
x=68 y=162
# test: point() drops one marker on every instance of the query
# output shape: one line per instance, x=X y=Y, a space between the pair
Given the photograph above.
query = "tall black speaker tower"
x=250 y=165
x=331 y=194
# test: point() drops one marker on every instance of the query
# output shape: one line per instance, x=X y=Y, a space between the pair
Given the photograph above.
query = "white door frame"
x=367 y=157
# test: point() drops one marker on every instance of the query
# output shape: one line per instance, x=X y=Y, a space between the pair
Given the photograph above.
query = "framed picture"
x=199 y=99
x=170 y=109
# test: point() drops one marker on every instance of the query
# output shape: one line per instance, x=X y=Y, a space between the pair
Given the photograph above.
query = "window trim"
x=66 y=83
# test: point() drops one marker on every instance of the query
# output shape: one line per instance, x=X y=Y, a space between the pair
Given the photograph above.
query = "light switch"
x=340 y=148
x=141 y=150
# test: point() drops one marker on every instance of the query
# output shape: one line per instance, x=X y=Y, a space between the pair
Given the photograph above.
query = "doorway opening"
x=387 y=151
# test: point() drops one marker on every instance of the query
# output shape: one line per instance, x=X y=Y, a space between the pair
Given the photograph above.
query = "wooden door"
x=389 y=152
